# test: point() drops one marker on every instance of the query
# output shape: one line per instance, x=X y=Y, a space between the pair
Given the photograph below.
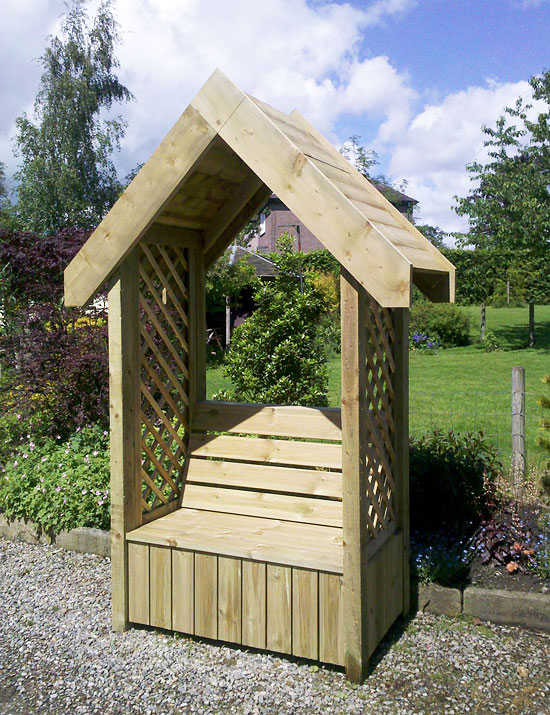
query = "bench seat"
x=288 y=543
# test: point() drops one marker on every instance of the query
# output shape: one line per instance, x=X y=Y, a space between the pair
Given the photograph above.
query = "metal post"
x=518 y=430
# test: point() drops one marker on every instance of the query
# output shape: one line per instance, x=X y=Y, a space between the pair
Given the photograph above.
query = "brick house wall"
x=279 y=219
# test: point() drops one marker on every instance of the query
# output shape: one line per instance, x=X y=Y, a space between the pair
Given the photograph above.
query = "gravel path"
x=58 y=655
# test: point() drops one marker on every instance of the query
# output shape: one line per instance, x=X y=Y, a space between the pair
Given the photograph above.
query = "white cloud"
x=441 y=139
x=290 y=53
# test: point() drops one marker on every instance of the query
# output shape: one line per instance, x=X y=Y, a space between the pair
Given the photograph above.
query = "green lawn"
x=466 y=388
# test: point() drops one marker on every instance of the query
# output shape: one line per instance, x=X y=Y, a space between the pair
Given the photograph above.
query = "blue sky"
x=415 y=79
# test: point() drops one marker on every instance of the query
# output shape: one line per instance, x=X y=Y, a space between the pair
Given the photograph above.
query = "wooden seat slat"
x=274 y=506
x=265 y=477
x=267 y=451
x=271 y=540
x=278 y=421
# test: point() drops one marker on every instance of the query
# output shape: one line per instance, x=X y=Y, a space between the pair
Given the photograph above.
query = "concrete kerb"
x=83 y=539
x=514 y=608
x=530 y=610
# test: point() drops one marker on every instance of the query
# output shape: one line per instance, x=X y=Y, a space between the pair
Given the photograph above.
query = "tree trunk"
x=531 y=324
x=482 y=331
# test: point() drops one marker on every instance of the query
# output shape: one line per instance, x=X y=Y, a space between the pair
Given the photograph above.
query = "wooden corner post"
x=124 y=366
x=401 y=441
x=354 y=477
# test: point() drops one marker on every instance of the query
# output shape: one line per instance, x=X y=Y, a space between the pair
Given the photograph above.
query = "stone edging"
x=530 y=610
x=515 y=608
x=83 y=539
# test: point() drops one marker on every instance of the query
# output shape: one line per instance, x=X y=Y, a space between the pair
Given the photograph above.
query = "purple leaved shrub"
x=55 y=360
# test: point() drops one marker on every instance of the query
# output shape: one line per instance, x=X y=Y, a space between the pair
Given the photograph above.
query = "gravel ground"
x=58 y=655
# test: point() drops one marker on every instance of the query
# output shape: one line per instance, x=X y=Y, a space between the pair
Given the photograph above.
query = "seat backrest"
x=276 y=462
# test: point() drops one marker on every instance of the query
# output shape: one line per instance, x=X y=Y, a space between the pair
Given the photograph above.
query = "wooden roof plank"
x=307 y=192
x=373 y=195
x=156 y=182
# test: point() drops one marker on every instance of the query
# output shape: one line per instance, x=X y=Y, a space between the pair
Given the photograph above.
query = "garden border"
x=518 y=608
x=83 y=539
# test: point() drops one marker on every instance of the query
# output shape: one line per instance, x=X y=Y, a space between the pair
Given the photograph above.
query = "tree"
x=67 y=177
x=509 y=207
x=434 y=234
x=362 y=159
x=3 y=186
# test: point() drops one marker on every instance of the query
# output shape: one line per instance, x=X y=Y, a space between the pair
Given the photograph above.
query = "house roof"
x=393 y=195
x=217 y=167
x=263 y=267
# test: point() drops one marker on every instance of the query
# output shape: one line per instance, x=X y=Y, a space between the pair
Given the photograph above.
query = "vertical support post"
x=354 y=477
x=197 y=328
x=482 y=326
x=518 y=430
x=401 y=441
x=124 y=409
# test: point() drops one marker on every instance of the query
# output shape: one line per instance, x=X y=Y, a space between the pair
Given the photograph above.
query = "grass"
x=466 y=389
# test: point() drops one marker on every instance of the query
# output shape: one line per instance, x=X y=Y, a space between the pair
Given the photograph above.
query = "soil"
x=495 y=576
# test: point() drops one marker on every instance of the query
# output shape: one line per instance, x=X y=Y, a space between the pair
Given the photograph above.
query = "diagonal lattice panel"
x=380 y=453
x=164 y=373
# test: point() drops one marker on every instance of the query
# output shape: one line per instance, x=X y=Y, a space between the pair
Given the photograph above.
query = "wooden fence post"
x=354 y=477
x=518 y=430
x=124 y=365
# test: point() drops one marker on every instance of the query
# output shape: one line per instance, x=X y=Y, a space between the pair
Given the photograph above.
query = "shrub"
x=490 y=342
x=440 y=559
x=58 y=357
x=451 y=481
x=418 y=342
x=59 y=484
x=276 y=355
x=441 y=321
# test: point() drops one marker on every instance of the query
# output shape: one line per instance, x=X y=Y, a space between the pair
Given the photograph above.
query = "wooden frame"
x=276 y=527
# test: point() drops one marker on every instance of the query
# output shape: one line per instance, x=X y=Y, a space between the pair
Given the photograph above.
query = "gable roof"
x=217 y=167
x=263 y=267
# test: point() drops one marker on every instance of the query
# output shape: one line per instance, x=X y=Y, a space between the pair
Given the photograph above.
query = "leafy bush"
x=441 y=321
x=490 y=342
x=451 y=481
x=276 y=355
x=58 y=358
x=59 y=484
x=418 y=342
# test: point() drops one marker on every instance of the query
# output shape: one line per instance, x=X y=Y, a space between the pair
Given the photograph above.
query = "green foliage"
x=543 y=546
x=320 y=260
x=276 y=355
x=481 y=276
x=228 y=278
x=444 y=322
x=434 y=234
x=67 y=177
x=361 y=158
x=422 y=343
x=451 y=478
x=490 y=342
x=544 y=434
x=509 y=206
x=59 y=485
x=441 y=560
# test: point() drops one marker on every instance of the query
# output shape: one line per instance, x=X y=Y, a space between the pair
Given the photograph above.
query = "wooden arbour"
x=277 y=527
